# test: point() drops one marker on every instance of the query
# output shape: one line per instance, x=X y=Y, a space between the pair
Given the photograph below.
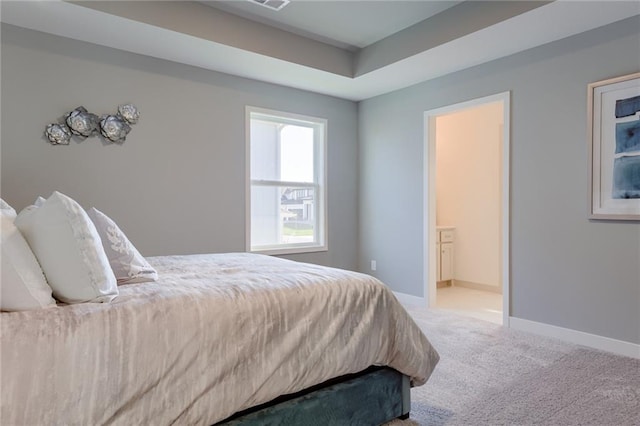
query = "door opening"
x=466 y=221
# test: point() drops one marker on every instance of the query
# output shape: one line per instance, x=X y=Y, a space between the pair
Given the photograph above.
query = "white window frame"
x=320 y=180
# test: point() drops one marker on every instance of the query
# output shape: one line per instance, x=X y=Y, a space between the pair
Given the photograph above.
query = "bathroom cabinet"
x=444 y=253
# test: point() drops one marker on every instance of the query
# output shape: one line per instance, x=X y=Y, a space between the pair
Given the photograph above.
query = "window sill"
x=288 y=250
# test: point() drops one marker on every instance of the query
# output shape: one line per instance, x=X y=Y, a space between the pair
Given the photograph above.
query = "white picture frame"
x=614 y=148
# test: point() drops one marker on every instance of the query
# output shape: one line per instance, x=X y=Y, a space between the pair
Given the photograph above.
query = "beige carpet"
x=490 y=375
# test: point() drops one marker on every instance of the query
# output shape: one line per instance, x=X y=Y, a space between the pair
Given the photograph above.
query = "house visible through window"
x=286 y=194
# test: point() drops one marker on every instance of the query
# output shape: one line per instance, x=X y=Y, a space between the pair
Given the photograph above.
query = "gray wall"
x=565 y=270
x=177 y=185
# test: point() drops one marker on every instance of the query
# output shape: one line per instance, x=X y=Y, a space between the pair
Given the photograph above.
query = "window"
x=286 y=191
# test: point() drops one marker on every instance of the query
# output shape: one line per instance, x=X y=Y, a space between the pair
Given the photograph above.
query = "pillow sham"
x=128 y=265
x=22 y=285
x=67 y=245
x=7 y=209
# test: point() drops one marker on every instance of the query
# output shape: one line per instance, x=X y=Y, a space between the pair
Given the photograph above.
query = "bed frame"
x=372 y=397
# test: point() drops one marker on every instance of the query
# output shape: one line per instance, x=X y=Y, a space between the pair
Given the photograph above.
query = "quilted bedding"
x=214 y=335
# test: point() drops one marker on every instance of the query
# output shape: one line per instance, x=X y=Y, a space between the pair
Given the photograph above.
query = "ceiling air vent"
x=271 y=4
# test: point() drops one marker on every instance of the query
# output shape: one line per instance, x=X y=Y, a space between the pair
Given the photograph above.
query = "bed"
x=214 y=336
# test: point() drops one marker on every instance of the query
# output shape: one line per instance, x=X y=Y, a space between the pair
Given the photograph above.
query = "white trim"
x=429 y=196
x=290 y=249
x=321 y=127
x=429 y=209
x=267 y=114
x=477 y=286
x=506 y=206
x=410 y=300
x=265 y=182
x=247 y=176
x=618 y=347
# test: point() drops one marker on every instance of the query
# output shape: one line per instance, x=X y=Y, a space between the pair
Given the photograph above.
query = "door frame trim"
x=429 y=196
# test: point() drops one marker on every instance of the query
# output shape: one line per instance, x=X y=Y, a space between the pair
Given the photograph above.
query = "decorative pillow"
x=127 y=263
x=22 y=286
x=69 y=249
x=7 y=209
x=39 y=201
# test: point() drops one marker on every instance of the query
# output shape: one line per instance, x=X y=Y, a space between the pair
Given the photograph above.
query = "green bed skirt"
x=372 y=397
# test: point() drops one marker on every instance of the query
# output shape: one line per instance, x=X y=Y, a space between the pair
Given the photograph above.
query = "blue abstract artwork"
x=627 y=107
x=626 y=177
x=614 y=133
x=628 y=136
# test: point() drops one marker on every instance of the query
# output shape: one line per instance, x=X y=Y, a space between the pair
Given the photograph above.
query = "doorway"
x=466 y=225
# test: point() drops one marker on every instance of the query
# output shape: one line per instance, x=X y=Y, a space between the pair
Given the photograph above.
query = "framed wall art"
x=614 y=148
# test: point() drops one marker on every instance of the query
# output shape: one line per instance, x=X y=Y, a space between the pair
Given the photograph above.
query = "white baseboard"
x=477 y=286
x=410 y=300
x=618 y=347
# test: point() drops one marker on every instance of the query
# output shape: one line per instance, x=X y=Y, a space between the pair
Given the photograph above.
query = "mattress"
x=216 y=334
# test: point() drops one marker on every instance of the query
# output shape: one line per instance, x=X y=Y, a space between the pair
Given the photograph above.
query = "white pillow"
x=22 y=285
x=69 y=249
x=7 y=209
x=39 y=201
x=128 y=265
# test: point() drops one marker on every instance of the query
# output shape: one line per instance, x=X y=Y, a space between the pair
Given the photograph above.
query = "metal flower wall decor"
x=82 y=123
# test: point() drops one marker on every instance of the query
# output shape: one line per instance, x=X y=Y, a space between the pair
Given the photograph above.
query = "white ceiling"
x=260 y=52
x=347 y=24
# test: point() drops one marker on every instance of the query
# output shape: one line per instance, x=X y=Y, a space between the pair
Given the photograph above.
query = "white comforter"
x=216 y=334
